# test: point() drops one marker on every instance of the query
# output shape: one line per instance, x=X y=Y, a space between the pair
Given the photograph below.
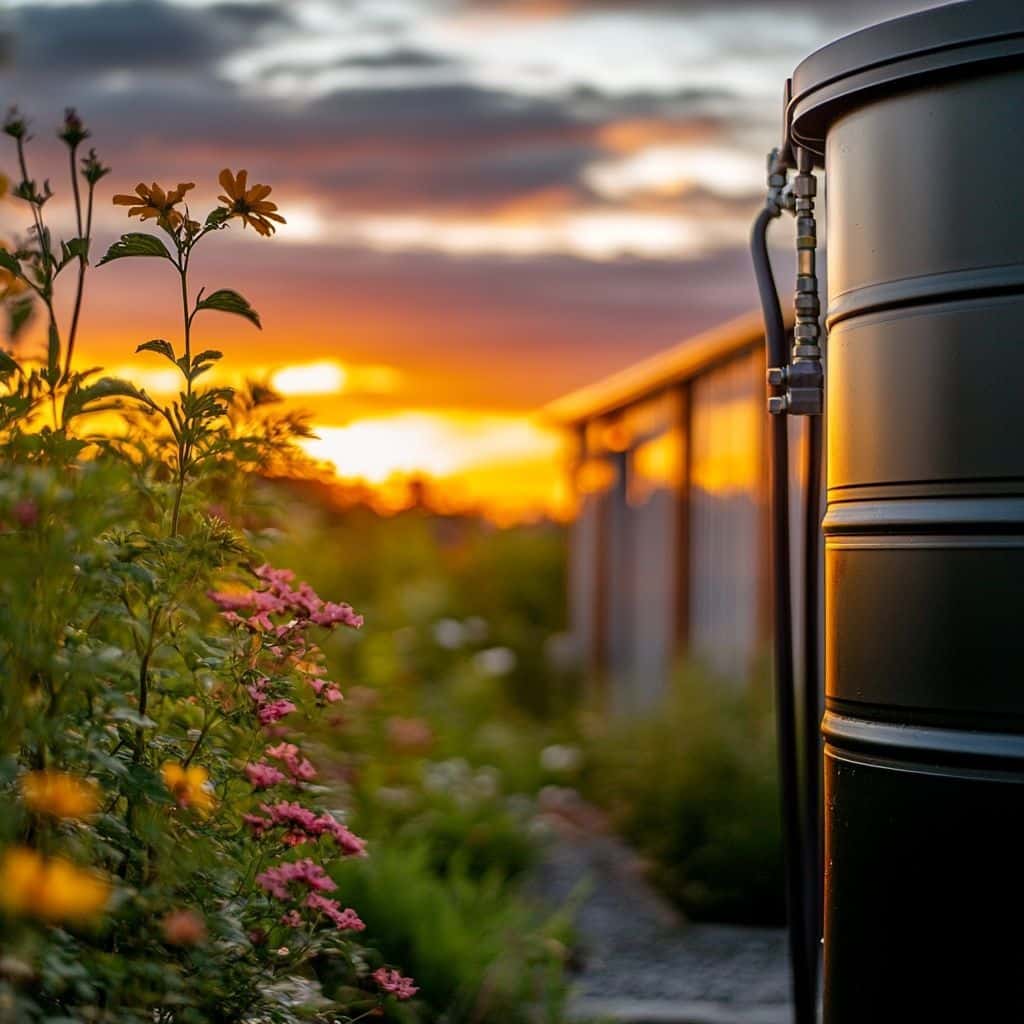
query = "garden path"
x=640 y=962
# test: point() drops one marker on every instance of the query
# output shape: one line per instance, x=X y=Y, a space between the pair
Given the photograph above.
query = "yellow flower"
x=188 y=785
x=151 y=201
x=60 y=795
x=251 y=204
x=52 y=889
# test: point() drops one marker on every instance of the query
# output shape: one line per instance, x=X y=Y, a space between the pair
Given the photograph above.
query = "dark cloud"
x=694 y=106
x=861 y=10
x=400 y=58
x=444 y=148
x=119 y=35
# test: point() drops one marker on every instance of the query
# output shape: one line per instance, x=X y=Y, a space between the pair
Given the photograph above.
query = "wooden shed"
x=669 y=549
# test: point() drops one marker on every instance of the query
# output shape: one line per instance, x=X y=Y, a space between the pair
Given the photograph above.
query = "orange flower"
x=183 y=928
x=250 y=204
x=151 y=201
x=59 y=794
x=52 y=889
x=189 y=786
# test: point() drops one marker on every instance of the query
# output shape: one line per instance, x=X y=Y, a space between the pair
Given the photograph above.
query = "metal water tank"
x=919 y=125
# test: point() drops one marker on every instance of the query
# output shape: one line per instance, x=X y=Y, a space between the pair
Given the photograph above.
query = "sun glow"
x=325 y=377
x=508 y=466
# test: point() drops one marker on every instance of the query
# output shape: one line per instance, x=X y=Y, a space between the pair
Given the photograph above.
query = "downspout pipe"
x=800 y=867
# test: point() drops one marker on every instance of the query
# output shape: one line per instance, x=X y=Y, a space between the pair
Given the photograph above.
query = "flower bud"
x=72 y=131
x=15 y=124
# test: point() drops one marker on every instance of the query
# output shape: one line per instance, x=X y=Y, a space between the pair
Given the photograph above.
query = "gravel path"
x=640 y=962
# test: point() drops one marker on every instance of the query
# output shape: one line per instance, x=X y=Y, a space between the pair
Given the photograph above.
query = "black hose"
x=797 y=891
x=812 y=689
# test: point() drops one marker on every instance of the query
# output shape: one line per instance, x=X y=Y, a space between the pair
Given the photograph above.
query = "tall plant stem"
x=37 y=216
x=82 y=264
x=147 y=654
x=184 y=447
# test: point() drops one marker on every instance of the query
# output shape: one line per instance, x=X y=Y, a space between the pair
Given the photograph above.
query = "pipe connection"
x=799 y=385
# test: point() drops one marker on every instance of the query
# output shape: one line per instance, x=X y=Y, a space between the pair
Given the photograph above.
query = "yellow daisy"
x=189 y=785
x=152 y=202
x=53 y=889
x=59 y=794
x=250 y=204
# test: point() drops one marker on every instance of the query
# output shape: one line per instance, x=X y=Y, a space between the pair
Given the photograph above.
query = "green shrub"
x=694 y=787
x=477 y=951
x=158 y=826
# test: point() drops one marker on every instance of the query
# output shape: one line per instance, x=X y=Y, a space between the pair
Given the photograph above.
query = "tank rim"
x=942 y=42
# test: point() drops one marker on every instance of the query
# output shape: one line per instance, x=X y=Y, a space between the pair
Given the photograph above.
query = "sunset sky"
x=489 y=203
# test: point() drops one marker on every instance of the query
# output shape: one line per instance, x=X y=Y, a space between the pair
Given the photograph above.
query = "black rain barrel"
x=919 y=125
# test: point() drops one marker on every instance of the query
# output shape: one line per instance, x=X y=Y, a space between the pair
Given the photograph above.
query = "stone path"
x=640 y=963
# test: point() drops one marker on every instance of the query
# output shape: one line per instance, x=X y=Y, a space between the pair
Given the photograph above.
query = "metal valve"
x=802 y=381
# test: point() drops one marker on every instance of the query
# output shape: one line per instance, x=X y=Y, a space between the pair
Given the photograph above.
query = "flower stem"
x=184 y=446
x=82 y=264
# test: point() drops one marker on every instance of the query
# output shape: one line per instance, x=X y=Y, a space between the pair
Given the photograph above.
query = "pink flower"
x=276 y=880
x=293 y=919
x=326 y=689
x=263 y=776
x=26 y=513
x=300 y=769
x=274 y=710
x=330 y=614
x=303 y=825
x=277 y=578
x=391 y=981
x=257 y=824
x=277 y=595
x=346 y=920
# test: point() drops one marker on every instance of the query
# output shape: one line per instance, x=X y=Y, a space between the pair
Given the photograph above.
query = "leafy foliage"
x=694 y=786
x=228 y=301
x=162 y=848
x=135 y=243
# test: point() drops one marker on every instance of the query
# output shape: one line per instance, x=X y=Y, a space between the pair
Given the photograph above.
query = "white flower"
x=449 y=634
x=560 y=758
x=495 y=661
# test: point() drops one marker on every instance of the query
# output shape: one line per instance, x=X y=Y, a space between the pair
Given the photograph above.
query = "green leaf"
x=165 y=348
x=135 y=243
x=52 y=354
x=217 y=218
x=204 y=361
x=98 y=396
x=228 y=301
x=9 y=263
x=132 y=717
x=77 y=248
x=7 y=363
x=19 y=312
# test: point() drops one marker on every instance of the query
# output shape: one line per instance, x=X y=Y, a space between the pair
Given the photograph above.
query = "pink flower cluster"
x=346 y=920
x=262 y=775
x=281 y=648
x=326 y=689
x=277 y=596
x=268 y=709
x=276 y=880
x=299 y=769
x=279 y=880
x=302 y=825
x=398 y=985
